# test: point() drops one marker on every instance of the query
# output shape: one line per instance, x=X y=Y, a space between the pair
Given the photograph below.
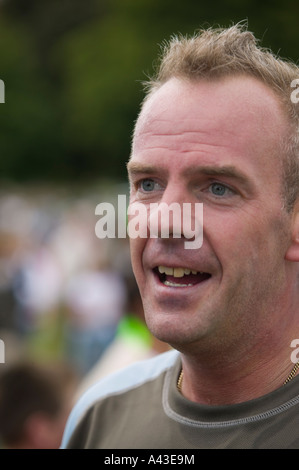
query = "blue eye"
x=147 y=185
x=218 y=189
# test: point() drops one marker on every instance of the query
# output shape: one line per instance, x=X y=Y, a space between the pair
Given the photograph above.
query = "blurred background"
x=73 y=73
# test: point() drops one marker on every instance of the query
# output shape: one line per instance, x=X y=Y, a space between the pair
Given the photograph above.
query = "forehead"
x=237 y=115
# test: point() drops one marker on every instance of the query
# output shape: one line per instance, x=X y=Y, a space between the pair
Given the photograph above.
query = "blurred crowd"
x=61 y=287
x=66 y=298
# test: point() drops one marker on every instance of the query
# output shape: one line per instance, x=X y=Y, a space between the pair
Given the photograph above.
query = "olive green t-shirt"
x=140 y=407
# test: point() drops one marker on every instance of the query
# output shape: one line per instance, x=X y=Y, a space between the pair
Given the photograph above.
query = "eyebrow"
x=137 y=168
x=228 y=171
x=224 y=170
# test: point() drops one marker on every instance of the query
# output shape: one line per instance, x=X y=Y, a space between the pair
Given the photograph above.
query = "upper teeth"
x=175 y=272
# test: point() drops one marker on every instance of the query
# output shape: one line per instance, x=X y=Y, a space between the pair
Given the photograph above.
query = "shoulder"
x=119 y=382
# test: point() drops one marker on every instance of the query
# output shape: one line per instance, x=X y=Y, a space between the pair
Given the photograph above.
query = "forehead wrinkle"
x=185 y=141
x=187 y=136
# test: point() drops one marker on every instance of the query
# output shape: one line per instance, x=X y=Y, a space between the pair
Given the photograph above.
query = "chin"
x=172 y=329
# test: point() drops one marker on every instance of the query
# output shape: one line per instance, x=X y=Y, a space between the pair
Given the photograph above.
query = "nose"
x=165 y=220
x=176 y=215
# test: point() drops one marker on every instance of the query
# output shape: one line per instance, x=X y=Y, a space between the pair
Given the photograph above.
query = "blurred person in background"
x=132 y=342
x=35 y=401
x=95 y=300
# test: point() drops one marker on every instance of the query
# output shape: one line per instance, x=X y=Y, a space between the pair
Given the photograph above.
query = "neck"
x=223 y=387
x=225 y=377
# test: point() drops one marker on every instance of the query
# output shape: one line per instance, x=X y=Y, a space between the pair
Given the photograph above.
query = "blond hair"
x=217 y=53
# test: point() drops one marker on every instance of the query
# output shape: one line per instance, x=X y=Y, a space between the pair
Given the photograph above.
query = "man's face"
x=215 y=143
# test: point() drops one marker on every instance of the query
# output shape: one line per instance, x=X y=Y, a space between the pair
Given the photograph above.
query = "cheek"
x=248 y=237
x=225 y=234
x=238 y=237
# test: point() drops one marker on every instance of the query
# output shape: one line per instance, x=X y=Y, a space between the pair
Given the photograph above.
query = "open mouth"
x=180 y=277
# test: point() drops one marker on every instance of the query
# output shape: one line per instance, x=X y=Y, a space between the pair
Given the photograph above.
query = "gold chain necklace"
x=180 y=380
x=290 y=377
x=292 y=374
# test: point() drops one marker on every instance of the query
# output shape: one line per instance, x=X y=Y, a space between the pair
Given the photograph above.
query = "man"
x=217 y=127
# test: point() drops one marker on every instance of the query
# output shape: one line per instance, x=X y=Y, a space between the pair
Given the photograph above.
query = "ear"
x=292 y=253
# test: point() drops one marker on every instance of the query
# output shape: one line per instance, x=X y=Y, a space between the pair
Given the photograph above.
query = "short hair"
x=215 y=53
x=27 y=388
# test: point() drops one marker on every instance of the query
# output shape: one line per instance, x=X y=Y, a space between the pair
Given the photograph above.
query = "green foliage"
x=73 y=73
x=28 y=136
